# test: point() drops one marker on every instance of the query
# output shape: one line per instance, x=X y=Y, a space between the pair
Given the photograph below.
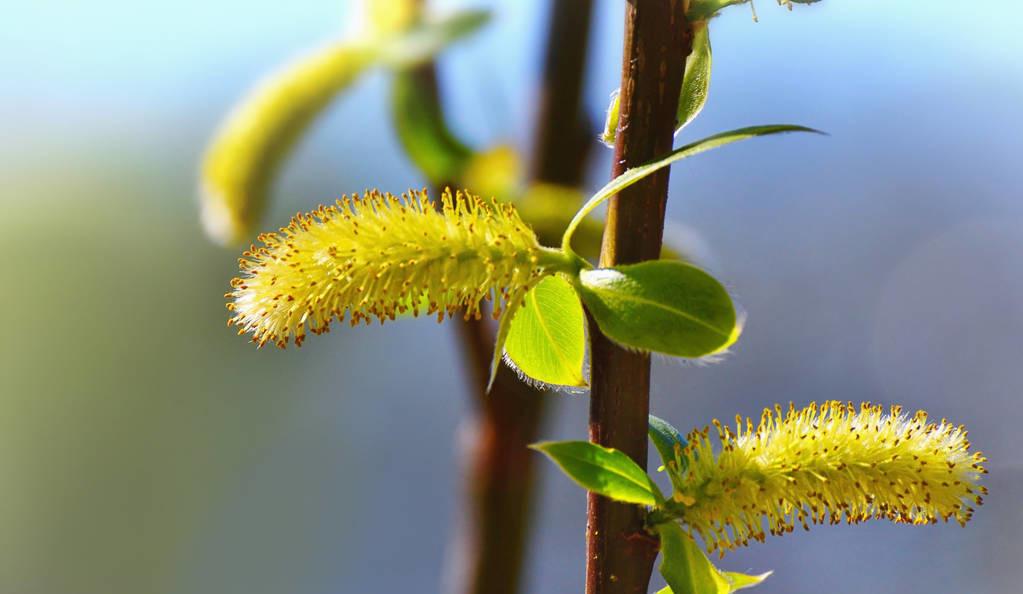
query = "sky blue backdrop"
x=144 y=448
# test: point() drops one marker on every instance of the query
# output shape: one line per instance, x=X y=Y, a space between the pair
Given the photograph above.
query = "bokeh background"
x=144 y=448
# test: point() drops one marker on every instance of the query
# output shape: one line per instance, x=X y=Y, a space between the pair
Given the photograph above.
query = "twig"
x=501 y=469
x=620 y=554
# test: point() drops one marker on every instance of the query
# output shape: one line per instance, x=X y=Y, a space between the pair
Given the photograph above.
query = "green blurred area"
x=128 y=411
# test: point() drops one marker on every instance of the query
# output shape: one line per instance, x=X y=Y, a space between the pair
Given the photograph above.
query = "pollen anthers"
x=827 y=464
x=379 y=256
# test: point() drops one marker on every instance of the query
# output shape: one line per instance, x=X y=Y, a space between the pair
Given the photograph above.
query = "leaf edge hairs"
x=381 y=256
x=825 y=464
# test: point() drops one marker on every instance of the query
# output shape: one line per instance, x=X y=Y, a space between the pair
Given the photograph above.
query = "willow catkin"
x=380 y=255
x=826 y=464
x=249 y=147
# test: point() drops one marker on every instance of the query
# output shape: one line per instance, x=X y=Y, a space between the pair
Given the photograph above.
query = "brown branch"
x=501 y=470
x=620 y=553
x=563 y=134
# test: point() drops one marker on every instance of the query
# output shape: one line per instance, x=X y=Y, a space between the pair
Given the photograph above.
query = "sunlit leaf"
x=704 y=9
x=741 y=581
x=696 y=83
x=547 y=340
x=611 y=120
x=604 y=471
x=635 y=174
x=684 y=566
x=660 y=306
x=695 y=86
x=548 y=208
x=700 y=10
x=503 y=328
x=687 y=570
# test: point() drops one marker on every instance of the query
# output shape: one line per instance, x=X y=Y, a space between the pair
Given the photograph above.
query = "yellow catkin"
x=255 y=139
x=379 y=256
x=827 y=464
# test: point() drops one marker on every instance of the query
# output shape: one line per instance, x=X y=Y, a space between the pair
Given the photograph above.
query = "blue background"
x=146 y=449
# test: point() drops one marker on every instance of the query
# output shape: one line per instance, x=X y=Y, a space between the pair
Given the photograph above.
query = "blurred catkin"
x=831 y=463
x=381 y=256
x=245 y=154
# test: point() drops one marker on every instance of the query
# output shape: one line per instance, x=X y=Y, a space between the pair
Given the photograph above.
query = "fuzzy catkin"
x=826 y=464
x=379 y=256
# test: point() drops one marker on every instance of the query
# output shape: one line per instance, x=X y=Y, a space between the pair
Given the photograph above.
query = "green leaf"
x=423 y=133
x=503 y=328
x=741 y=581
x=688 y=570
x=700 y=10
x=660 y=306
x=696 y=83
x=695 y=86
x=548 y=208
x=422 y=41
x=547 y=340
x=417 y=114
x=637 y=173
x=684 y=566
x=611 y=121
x=604 y=471
x=665 y=438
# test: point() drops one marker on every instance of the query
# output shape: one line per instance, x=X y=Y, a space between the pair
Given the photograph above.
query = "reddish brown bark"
x=501 y=470
x=620 y=553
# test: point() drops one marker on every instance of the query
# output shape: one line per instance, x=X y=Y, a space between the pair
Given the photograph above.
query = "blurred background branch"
x=490 y=546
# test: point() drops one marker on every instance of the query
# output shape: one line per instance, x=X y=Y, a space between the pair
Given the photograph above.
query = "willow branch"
x=620 y=553
x=501 y=474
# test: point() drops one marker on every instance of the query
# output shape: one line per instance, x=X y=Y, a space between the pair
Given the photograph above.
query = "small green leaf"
x=700 y=10
x=665 y=438
x=547 y=340
x=637 y=173
x=704 y=9
x=684 y=566
x=696 y=83
x=548 y=208
x=660 y=306
x=604 y=471
x=422 y=41
x=503 y=328
x=611 y=121
x=423 y=133
x=688 y=570
x=695 y=86
x=741 y=581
